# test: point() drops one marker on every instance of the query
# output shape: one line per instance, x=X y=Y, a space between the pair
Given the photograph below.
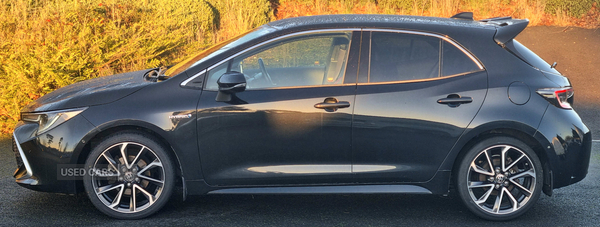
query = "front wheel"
x=131 y=176
x=500 y=178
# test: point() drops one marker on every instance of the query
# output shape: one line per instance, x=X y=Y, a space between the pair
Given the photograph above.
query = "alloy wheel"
x=135 y=178
x=501 y=179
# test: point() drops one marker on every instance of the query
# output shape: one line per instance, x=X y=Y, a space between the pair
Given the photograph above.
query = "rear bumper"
x=568 y=145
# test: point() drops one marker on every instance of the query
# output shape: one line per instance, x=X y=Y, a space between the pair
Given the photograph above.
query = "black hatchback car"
x=320 y=104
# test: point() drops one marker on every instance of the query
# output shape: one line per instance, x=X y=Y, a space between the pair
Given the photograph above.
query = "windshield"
x=218 y=49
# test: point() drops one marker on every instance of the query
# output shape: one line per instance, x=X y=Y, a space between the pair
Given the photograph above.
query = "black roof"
x=376 y=20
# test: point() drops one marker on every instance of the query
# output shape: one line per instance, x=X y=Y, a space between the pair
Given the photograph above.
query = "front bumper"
x=23 y=174
x=39 y=156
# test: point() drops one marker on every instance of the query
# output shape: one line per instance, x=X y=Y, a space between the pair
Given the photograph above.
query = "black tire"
x=504 y=191
x=136 y=190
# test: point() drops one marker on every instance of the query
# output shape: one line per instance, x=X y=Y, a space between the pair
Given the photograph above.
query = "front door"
x=292 y=124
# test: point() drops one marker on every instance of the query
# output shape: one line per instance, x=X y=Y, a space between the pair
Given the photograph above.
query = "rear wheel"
x=500 y=178
x=132 y=176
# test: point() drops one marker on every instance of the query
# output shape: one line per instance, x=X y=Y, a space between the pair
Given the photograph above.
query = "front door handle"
x=454 y=100
x=332 y=104
x=340 y=104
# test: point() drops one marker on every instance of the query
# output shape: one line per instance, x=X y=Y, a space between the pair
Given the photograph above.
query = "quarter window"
x=304 y=60
x=456 y=62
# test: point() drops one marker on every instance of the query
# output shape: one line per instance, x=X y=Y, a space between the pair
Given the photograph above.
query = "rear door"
x=416 y=97
x=292 y=124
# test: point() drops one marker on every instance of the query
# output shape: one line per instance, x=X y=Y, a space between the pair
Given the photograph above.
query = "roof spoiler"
x=507 y=28
x=463 y=16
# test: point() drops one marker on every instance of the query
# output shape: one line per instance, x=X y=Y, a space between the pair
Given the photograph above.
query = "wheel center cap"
x=129 y=176
x=500 y=178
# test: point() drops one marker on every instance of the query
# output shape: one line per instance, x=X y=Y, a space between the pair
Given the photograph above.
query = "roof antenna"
x=463 y=16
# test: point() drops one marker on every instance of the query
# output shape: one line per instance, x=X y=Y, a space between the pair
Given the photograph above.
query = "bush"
x=574 y=8
x=406 y=6
x=233 y=18
x=47 y=44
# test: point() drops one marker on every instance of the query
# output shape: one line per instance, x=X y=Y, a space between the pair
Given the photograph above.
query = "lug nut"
x=497 y=186
x=491 y=179
x=120 y=178
x=505 y=183
x=128 y=184
x=137 y=179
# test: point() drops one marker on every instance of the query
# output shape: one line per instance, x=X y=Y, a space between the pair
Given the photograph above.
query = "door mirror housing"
x=232 y=82
x=229 y=84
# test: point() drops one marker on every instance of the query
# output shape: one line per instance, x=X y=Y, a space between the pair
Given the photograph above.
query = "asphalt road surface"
x=575 y=205
x=577 y=53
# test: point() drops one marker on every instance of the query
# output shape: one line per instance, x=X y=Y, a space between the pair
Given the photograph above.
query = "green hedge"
x=390 y=6
x=48 y=44
x=574 y=8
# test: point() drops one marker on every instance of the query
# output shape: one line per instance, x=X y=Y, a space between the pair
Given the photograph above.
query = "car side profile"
x=318 y=105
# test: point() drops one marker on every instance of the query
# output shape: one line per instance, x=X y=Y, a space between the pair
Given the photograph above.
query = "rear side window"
x=399 y=56
x=529 y=57
x=405 y=57
x=456 y=62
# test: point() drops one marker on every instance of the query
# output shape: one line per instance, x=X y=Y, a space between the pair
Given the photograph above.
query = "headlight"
x=49 y=120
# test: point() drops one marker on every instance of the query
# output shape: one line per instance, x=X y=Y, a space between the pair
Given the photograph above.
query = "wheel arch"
x=516 y=130
x=108 y=129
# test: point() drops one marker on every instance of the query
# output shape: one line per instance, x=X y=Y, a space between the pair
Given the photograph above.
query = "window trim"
x=298 y=87
x=271 y=41
x=185 y=82
x=418 y=80
x=370 y=57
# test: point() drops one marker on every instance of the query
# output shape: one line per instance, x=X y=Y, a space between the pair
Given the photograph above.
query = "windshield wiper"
x=157 y=75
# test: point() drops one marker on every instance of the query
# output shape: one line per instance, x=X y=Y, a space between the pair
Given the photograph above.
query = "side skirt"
x=346 y=189
x=438 y=185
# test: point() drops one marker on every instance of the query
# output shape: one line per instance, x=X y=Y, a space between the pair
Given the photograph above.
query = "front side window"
x=303 y=60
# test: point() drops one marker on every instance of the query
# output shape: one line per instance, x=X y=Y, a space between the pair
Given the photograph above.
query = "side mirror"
x=232 y=82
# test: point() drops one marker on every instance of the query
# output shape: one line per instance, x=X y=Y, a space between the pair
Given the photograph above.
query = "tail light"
x=560 y=97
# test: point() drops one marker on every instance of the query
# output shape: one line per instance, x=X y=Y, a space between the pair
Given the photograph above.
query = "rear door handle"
x=332 y=104
x=340 y=104
x=454 y=100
